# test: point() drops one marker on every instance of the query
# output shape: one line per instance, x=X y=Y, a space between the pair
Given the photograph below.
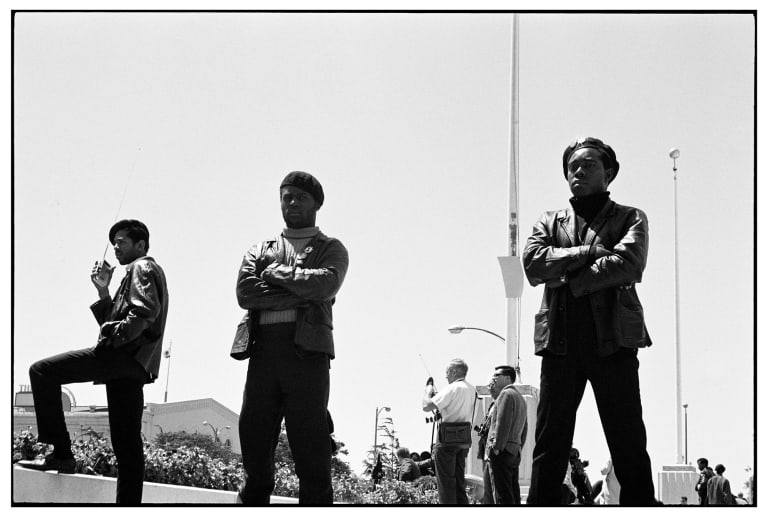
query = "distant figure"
x=611 y=487
x=589 y=257
x=704 y=476
x=288 y=285
x=509 y=427
x=377 y=472
x=415 y=456
x=580 y=478
x=719 y=488
x=126 y=356
x=683 y=500
x=426 y=464
x=489 y=489
x=409 y=470
x=456 y=403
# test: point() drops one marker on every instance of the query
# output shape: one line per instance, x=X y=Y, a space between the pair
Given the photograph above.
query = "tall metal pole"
x=168 y=371
x=675 y=154
x=513 y=303
x=375 y=435
x=685 y=407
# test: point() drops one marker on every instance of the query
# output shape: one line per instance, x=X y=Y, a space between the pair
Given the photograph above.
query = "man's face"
x=126 y=251
x=493 y=388
x=501 y=380
x=586 y=174
x=298 y=206
x=701 y=465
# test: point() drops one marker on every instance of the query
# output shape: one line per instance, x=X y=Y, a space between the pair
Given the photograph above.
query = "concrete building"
x=186 y=415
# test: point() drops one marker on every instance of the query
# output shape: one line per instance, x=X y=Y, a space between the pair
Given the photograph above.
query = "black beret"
x=608 y=156
x=137 y=227
x=305 y=182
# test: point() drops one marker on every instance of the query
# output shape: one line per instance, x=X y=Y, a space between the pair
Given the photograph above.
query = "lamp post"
x=376 y=429
x=216 y=430
x=457 y=329
x=685 y=408
x=674 y=153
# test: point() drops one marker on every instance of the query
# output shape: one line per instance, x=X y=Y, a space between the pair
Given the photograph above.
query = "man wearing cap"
x=288 y=285
x=589 y=258
x=126 y=356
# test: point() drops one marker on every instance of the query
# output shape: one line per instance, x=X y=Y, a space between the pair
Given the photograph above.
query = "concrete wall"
x=31 y=486
x=676 y=481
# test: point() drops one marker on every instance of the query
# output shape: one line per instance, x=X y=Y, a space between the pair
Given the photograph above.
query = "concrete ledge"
x=32 y=486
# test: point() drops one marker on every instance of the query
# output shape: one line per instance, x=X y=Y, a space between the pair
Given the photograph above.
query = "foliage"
x=181 y=439
x=178 y=461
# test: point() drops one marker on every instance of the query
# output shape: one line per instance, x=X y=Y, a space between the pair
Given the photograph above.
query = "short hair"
x=508 y=371
x=459 y=365
x=719 y=468
x=134 y=229
x=403 y=452
x=425 y=455
x=705 y=461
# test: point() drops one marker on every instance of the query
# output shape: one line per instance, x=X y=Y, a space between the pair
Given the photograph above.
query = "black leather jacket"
x=309 y=286
x=135 y=319
x=550 y=256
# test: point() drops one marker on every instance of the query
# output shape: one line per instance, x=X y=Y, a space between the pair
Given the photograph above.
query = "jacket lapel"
x=566 y=222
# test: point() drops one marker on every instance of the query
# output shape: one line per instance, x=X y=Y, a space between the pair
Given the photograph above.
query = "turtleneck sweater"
x=580 y=322
x=293 y=239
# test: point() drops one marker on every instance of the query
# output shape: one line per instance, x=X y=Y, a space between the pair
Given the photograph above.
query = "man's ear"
x=610 y=175
x=142 y=244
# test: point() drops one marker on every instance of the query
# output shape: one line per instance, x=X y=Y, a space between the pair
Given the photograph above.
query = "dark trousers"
x=283 y=382
x=488 y=487
x=506 y=474
x=450 y=462
x=615 y=383
x=124 y=379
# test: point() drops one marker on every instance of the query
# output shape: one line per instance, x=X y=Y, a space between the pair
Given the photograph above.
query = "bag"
x=240 y=346
x=457 y=434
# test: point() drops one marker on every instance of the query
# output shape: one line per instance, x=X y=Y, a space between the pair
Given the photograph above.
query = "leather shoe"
x=50 y=462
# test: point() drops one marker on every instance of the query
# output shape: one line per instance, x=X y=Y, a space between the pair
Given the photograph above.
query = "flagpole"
x=513 y=302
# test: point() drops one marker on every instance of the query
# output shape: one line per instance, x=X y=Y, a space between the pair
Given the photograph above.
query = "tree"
x=174 y=440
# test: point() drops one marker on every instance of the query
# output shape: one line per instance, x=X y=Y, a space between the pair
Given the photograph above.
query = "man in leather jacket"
x=288 y=285
x=126 y=356
x=589 y=258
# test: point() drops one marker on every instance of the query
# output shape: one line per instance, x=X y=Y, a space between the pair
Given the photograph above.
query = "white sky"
x=404 y=119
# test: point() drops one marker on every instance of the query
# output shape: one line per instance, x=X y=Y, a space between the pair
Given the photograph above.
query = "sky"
x=404 y=118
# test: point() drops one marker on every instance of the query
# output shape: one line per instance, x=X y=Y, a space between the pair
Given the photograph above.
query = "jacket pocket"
x=630 y=320
x=541 y=329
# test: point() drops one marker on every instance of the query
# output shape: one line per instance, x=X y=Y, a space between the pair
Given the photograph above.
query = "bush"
x=191 y=465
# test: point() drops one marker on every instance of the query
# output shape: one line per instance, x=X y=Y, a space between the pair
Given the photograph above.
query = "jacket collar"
x=566 y=220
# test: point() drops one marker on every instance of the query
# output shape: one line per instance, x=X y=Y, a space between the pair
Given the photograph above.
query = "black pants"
x=450 y=462
x=283 y=382
x=124 y=379
x=616 y=387
x=489 y=497
x=506 y=477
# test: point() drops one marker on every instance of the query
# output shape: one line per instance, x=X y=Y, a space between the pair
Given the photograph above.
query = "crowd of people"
x=713 y=488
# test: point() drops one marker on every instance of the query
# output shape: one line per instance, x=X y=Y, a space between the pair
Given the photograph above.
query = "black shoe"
x=50 y=462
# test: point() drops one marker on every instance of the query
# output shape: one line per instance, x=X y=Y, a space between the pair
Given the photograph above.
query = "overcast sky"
x=404 y=118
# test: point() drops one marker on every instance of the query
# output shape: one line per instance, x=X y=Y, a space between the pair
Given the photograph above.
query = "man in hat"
x=288 y=285
x=126 y=356
x=589 y=258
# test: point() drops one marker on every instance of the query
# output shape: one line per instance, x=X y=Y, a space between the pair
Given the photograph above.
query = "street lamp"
x=685 y=408
x=456 y=329
x=376 y=429
x=216 y=431
x=674 y=153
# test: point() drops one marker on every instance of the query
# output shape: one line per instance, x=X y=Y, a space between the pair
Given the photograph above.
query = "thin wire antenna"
x=125 y=191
